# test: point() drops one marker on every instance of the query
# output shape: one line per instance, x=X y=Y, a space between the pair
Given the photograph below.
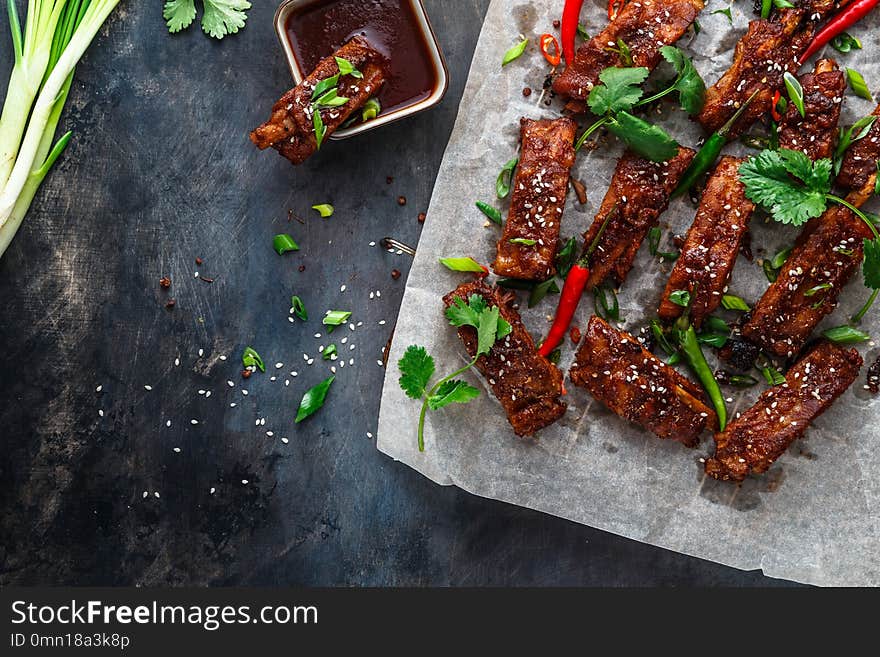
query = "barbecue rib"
x=633 y=383
x=806 y=290
x=768 y=49
x=291 y=131
x=644 y=26
x=538 y=198
x=815 y=133
x=527 y=384
x=711 y=245
x=858 y=173
x=752 y=442
x=638 y=195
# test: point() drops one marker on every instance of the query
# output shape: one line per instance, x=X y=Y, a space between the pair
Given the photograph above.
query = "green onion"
x=329 y=352
x=347 y=68
x=610 y=312
x=742 y=380
x=858 y=84
x=371 y=110
x=772 y=376
x=462 y=264
x=783 y=4
x=795 y=92
x=582 y=32
x=283 y=243
x=725 y=12
x=523 y=241
x=313 y=400
x=515 y=52
x=780 y=258
x=731 y=302
x=845 y=335
x=335 y=318
x=325 y=85
x=250 y=358
x=490 y=212
x=324 y=209
x=818 y=288
x=566 y=257
x=541 y=290
x=681 y=298
x=502 y=183
x=845 y=42
x=320 y=128
x=55 y=37
x=299 y=308
x=654 y=245
x=330 y=99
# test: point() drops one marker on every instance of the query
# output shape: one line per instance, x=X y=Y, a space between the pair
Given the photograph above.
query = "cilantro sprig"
x=417 y=366
x=221 y=17
x=619 y=94
x=794 y=189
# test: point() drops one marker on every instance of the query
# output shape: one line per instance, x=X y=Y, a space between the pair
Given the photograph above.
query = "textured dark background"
x=161 y=172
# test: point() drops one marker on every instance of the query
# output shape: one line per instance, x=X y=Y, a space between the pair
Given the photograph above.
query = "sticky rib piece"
x=290 y=129
x=638 y=195
x=644 y=26
x=809 y=283
x=633 y=383
x=767 y=50
x=815 y=133
x=528 y=385
x=858 y=172
x=538 y=198
x=752 y=442
x=711 y=245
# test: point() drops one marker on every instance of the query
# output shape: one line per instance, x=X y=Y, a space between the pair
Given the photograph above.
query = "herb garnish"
x=250 y=358
x=541 y=290
x=845 y=335
x=493 y=214
x=845 y=42
x=283 y=243
x=858 y=85
x=732 y=302
x=502 y=183
x=417 y=366
x=515 y=52
x=725 y=12
x=221 y=17
x=299 y=308
x=795 y=92
x=462 y=264
x=320 y=128
x=329 y=352
x=371 y=110
x=772 y=376
x=654 y=245
x=335 y=318
x=313 y=400
x=607 y=310
x=680 y=298
x=324 y=209
x=566 y=257
x=523 y=241
x=856 y=132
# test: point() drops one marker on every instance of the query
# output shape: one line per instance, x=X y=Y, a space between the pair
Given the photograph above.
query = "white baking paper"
x=813 y=518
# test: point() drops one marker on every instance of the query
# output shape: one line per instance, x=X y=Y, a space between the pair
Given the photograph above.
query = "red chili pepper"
x=774 y=112
x=545 y=42
x=568 y=302
x=615 y=7
x=851 y=15
x=571 y=14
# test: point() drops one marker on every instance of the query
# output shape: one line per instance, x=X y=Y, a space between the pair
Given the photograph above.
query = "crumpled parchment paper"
x=813 y=518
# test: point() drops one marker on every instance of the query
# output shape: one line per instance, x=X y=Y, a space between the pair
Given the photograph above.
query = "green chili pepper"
x=707 y=156
x=693 y=354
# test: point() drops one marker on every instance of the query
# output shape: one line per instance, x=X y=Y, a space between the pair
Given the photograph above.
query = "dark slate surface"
x=161 y=172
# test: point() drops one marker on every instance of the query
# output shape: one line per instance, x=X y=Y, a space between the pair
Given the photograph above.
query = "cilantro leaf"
x=416 y=369
x=487 y=330
x=871 y=266
x=450 y=392
x=646 y=139
x=788 y=184
x=224 y=17
x=460 y=314
x=619 y=89
x=690 y=86
x=179 y=14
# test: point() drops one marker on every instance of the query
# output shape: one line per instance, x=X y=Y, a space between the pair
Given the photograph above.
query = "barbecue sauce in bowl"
x=318 y=28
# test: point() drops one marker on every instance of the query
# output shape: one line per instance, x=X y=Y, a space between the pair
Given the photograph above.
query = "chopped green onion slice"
x=582 y=32
x=329 y=352
x=845 y=335
x=336 y=317
x=780 y=258
x=566 y=257
x=541 y=290
x=324 y=209
x=681 y=298
x=250 y=358
x=515 y=52
x=818 y=288
x=742 y=380
x=845 y=42
x=347 y=68
x=462 y=264
x=523 y=241
x=610 y=312
x=324 y=85
x=299 y=308
x=731 y=302
x=371 y=109
x=772 y=376
x=313 y=400
x=502 y=183
x=858 y=84
x=283 y=243
x=795 y=92
x=330 y=99
x=320 y=128
x=493 y=214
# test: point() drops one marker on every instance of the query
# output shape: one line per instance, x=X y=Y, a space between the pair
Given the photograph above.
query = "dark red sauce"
x=318 y=28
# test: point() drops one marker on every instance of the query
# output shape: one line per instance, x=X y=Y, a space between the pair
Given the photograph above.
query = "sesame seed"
x=99 y=388
x=148 y=388
x=177 y=450
x=101 y=412
x=193 y=421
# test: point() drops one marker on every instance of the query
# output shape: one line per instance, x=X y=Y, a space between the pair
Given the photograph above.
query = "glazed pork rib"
x=638 y=195
x=528 y=385
x=633 y=383
x=644 y=26
x=807 y=288
x=768 y=49
x=752 y=442
x=815 y=133
x=290 y=129
x=538 y=198
x=711 y=246
x=858 y=172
